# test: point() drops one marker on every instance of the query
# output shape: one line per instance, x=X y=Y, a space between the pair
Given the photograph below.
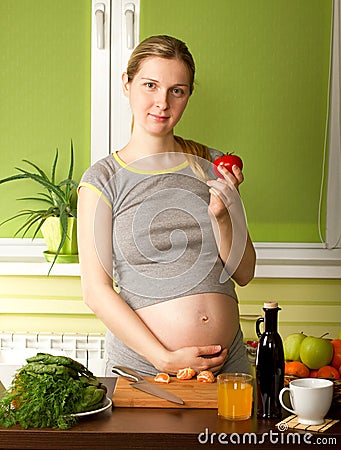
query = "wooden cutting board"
x=194 y=393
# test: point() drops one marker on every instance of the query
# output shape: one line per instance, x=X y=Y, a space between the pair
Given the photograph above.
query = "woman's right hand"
x=209 y=357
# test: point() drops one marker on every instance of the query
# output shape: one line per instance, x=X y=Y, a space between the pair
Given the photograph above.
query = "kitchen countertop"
x=159 y=429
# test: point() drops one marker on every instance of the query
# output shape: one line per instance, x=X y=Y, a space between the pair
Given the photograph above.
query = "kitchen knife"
x=146 y=386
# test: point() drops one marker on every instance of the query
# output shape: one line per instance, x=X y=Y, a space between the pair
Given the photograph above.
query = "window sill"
x=297 y=260
x=23 y=257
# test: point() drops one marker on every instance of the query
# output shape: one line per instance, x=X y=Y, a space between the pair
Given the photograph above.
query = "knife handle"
x=125 y=372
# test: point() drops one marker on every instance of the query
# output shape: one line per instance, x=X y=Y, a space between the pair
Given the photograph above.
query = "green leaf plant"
x=59 y=199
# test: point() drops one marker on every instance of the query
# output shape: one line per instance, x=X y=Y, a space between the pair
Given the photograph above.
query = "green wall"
x=45 y=90
x=262 y=71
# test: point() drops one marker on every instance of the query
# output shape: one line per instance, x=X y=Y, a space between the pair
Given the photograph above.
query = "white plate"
x=107 y=405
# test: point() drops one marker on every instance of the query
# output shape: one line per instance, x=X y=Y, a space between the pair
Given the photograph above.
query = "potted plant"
x=57 y=220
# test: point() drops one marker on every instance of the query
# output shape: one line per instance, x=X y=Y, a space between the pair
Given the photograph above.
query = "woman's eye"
x=178 y=92
x=150 y=85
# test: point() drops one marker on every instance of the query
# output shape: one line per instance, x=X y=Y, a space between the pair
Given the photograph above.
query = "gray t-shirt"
x=163 y=242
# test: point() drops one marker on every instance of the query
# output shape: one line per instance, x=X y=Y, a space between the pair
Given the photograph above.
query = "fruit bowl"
x=337 y=386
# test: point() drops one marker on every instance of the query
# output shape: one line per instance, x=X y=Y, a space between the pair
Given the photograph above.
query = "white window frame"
x=274 y=260
x=333 y=218
x=110 y=126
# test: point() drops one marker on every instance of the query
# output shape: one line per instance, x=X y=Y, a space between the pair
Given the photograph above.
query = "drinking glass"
x=235 y=395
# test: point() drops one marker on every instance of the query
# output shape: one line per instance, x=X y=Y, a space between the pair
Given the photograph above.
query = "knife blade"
x=146 y=386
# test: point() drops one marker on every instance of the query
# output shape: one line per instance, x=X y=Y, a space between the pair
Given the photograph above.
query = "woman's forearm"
x=235 y=249
x=229 y=225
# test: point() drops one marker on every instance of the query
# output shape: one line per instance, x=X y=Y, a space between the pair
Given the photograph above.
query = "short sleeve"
x=100 y=178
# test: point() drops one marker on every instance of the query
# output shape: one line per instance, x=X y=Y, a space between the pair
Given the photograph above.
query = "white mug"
x=311 y=399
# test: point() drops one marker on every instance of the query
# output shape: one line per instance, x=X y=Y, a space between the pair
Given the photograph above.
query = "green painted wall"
x=262 y=71
x=261 y=91
x=45 y=90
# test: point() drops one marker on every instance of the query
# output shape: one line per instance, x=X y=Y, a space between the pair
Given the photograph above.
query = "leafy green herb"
x=47 y=395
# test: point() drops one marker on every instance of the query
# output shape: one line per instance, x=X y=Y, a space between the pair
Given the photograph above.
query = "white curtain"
x=333 y=219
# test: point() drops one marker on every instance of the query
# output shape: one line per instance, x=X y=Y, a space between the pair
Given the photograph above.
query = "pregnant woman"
x=162 y=239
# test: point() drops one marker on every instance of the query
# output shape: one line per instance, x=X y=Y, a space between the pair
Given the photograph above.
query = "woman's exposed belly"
x=200 y=319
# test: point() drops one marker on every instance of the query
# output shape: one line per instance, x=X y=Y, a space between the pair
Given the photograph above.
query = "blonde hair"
x=168 y=47
x=161 y=46
x=199 y=151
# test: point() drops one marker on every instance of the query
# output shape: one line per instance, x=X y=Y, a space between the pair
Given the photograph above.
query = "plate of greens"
x=52 y=391
x=106 y=405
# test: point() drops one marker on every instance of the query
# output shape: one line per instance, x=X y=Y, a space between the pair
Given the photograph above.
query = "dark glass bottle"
x=269 y=363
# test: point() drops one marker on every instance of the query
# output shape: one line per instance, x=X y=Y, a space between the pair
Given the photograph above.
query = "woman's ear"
x=125 y=84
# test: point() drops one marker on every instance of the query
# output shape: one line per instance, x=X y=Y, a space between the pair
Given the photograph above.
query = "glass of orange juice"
x=235 y=395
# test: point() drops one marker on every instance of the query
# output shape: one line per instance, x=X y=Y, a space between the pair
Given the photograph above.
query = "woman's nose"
x=162 y=99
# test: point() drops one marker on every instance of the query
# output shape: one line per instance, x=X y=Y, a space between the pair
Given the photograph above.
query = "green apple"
x=316 y=352
x=292 y=344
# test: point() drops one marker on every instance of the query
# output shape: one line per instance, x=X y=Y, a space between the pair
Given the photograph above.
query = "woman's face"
x=158 y=94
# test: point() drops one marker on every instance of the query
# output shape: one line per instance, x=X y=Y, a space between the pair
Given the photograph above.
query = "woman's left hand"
x=224 y=191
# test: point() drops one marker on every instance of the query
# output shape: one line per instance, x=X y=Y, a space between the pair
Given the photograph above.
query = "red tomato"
x=228 y=161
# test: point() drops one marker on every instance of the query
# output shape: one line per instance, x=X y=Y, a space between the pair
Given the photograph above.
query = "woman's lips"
x=159 y=118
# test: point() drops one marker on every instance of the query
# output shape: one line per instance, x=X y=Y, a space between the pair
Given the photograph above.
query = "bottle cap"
x=270 y=305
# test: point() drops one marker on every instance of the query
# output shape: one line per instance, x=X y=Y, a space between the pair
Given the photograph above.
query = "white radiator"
x=88 y=349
